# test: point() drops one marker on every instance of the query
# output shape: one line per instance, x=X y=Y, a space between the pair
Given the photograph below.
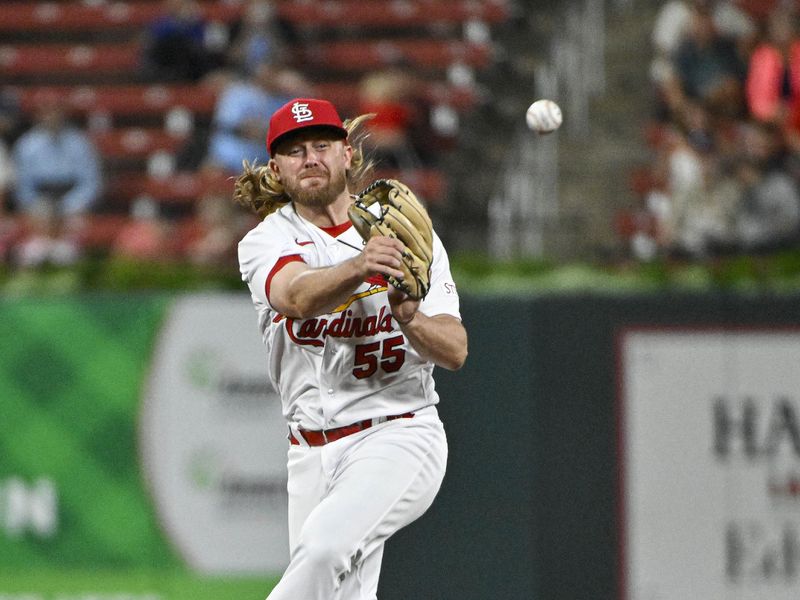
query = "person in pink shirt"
x=773 y=77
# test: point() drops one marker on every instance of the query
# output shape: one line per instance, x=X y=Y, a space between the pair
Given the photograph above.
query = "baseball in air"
x=544 y=116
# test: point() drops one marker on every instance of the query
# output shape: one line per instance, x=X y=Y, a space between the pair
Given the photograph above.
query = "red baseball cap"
x=301 y=113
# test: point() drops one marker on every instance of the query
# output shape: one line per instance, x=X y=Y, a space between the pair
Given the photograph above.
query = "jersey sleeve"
x=442 y=297
x=262 y=253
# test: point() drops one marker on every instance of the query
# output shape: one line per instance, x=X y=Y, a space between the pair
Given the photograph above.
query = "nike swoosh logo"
x=299 y=243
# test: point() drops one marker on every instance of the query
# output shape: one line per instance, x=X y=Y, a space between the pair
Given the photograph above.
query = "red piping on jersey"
x=282 y=262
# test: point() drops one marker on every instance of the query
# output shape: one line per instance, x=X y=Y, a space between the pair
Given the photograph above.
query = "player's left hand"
x=387 y=208
x=403 y=306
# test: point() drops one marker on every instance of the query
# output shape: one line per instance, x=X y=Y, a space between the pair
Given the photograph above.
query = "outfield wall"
x=600 y=447
x=617 y=448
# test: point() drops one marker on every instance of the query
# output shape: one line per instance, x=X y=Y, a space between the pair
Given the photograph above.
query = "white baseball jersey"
x=354 y=363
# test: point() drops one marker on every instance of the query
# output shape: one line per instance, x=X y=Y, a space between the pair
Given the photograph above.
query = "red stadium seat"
x=135 y=142
x=108 y=49
x=101 y=231
x=411 y=13
x=187 y=187
x=758 y=9
x=75 y=16
x=345 y=96
x=97 y=233
x=42 y=59
x=123 y=99
x=361 y=55
x=149 y=100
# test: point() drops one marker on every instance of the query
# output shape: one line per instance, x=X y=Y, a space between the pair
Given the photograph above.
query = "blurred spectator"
x=708 y=69
x=146 y=236
x=773 y=79
x=9 y=232
x=716 y=202
x=180 y=44
x=389 y=94
x=214 y=234
x=769 y=214
x=218 y=235
x=211 y=236
x=6 y=175
x=56 y=163
x=673 y=22
x=243 y=111
x=695 y=202
x=10 y=114
x=669 y=30
x=9 y=124
x=47 y=241
x=9 y=227
x=681 y=215
x=769 y=211
x=257 y=38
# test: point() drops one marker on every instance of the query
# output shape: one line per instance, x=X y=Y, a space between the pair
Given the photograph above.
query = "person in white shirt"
x=351 y=357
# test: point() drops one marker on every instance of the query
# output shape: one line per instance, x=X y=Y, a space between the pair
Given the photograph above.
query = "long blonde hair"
x=258 y=189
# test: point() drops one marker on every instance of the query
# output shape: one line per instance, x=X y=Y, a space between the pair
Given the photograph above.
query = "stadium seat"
x=187 y=187
x=154 y=100
x=344 y=95
x=422 y=54
x=97 y=76
x=101 y=231
x=179 y=188
x=59 y=59
x=135 y=142
x=123 y=99
x=21 y=16
x=79 y=16
x=411 y=13
x=347 y=55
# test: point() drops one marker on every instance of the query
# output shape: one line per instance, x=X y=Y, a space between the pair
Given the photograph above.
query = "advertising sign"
x=142 y=450
x=213 y=439
x=710 y=454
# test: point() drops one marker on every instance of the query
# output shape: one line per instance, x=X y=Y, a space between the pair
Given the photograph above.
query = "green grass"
x=775 y=273
x=54 y=584
x=474 y=273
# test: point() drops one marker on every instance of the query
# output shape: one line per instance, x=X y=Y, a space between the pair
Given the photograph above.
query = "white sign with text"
x=213 y=440
x=710 y=455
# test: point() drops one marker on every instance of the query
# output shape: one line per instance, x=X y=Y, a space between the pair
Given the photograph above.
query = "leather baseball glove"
x=387 y=207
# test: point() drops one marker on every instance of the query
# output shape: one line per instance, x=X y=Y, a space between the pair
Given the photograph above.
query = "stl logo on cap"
x=301 y=112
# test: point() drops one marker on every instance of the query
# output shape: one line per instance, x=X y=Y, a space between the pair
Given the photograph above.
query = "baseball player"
x=351 y=356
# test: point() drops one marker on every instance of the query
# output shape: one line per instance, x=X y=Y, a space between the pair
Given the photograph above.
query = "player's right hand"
x=383 y=255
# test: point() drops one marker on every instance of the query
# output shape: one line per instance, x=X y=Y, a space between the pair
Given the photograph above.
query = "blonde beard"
x=318 y=197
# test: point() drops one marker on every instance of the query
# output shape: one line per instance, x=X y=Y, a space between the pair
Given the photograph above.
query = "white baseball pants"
x=347 y=497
